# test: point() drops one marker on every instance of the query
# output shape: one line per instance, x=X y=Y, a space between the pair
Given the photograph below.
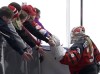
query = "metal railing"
x=12 y=63
x=2 y=59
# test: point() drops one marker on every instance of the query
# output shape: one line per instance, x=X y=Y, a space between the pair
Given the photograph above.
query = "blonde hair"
x=23 y=15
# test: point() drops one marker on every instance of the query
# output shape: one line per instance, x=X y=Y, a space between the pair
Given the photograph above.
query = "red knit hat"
x=15 y=11
x=29 y=9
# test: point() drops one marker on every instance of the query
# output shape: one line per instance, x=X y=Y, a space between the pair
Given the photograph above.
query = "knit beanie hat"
x=29 y=9
x=15 y=11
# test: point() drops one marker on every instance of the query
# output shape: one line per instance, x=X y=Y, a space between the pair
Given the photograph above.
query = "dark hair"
x=5 y=11
x=37 y=10
x=16 y=5
x=23 y=15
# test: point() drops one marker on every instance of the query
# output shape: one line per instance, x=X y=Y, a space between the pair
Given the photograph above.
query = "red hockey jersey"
x=80 y=55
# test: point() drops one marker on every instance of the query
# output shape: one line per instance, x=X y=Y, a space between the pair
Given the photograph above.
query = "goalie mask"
x=76 y=33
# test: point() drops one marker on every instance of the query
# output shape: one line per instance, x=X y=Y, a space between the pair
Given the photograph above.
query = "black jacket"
x=34 y=31
x=13 y=39
x=26 y=38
